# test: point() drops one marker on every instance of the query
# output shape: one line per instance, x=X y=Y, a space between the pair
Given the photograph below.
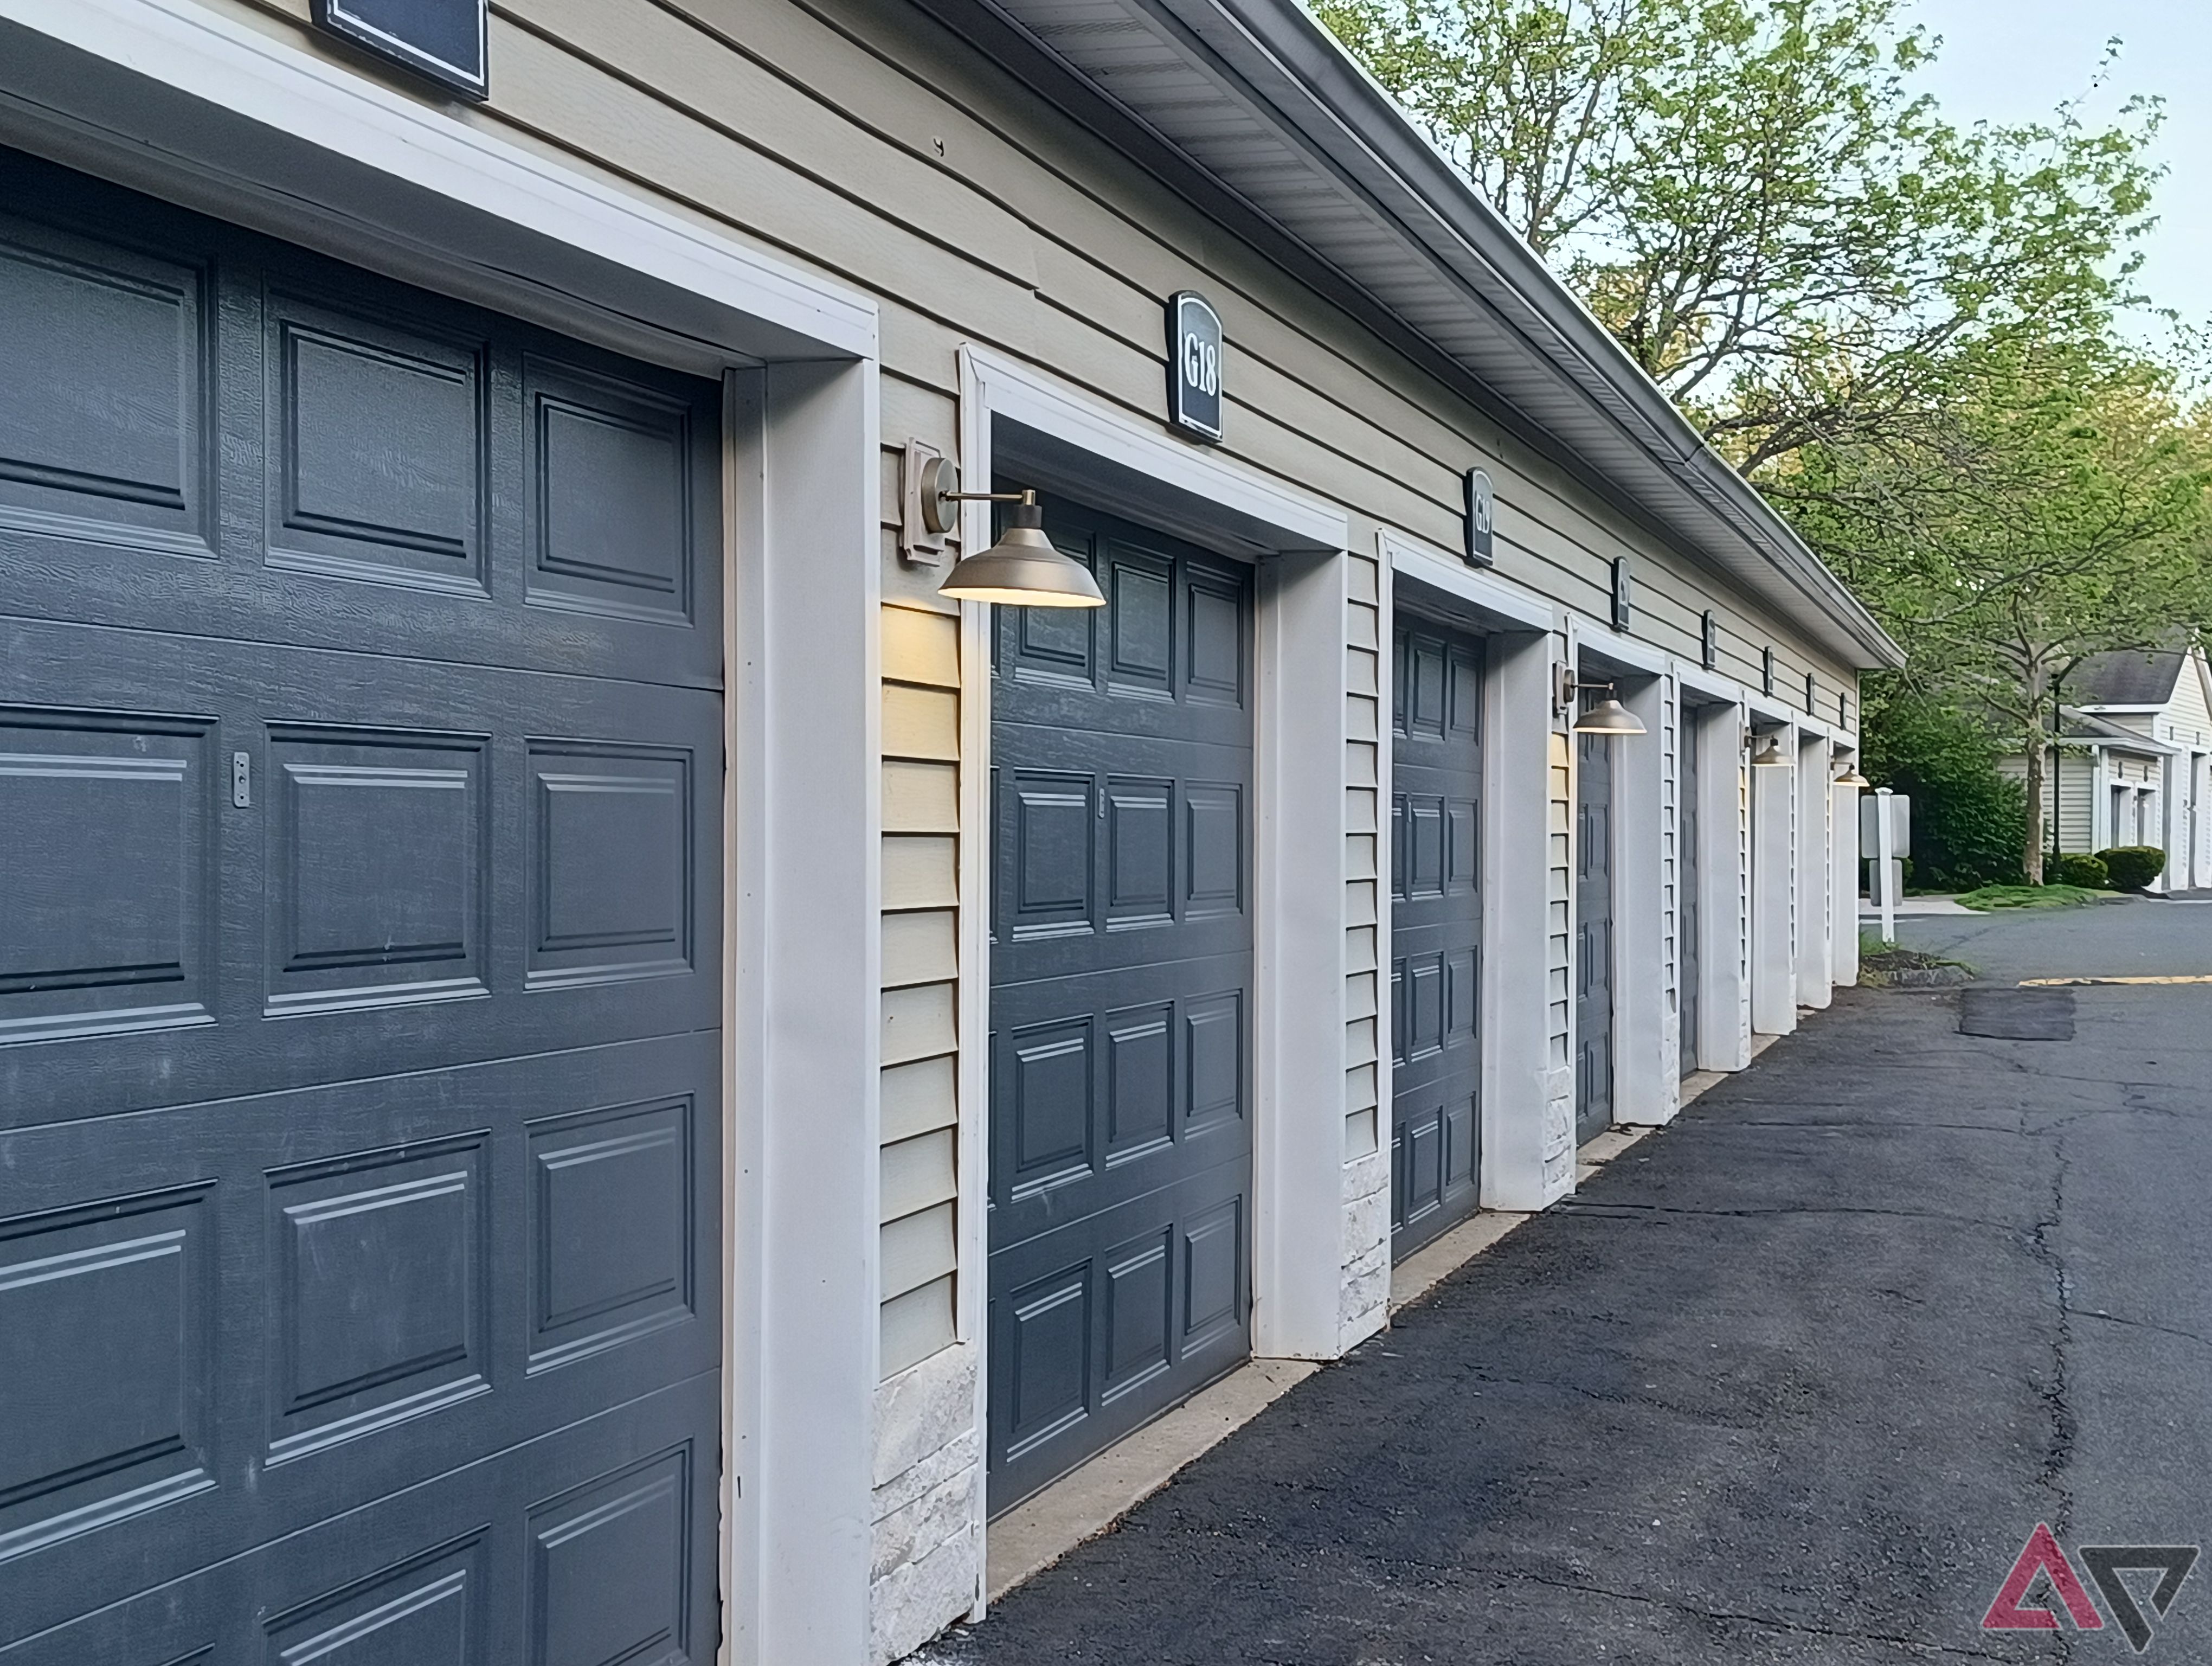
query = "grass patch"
x=2032 y=897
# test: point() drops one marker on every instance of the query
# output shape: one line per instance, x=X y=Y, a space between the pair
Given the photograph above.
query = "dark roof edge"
x=1334 y=103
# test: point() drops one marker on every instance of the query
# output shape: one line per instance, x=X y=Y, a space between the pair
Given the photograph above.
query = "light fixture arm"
x=1568 y=685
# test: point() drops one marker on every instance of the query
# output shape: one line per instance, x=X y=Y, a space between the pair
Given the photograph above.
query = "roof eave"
x=1296 y=84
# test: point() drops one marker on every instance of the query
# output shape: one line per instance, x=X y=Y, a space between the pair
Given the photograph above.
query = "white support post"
x=1843 y=886
x=1643 y=1077
x=1814 y=893
x=1885 y=865
x=1773 y=973
x=1518 y=923
x=1724 y=998
x=1299 y=1136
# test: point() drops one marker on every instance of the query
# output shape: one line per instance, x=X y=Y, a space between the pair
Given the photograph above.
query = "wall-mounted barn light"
x=1852 y=777
x=1022 y=570
x=1607 y=716
x=1768 y=755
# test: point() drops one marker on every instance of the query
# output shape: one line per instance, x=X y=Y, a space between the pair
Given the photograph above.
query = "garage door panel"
x=105 y=350
x=592 y=1542
x=1103 y=1078
x=440 y=1265
x=1121 y=1015
x=1097 y=1323
x=397 y=472
x=359 y=963
x=378 y=464
x=1436 y=930
x=108 y=920
x=1117 y=851
x=446 y=877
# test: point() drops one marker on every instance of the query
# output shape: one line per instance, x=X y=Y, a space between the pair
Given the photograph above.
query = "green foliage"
x=1752 y=197
x=2073 y=868
x=2031 y=897
x=2133 y=866
x=1967 y=819
x=2056 y=504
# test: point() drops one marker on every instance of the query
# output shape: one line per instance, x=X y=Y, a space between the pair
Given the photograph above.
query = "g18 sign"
x=443 y=40
x=1193 y=367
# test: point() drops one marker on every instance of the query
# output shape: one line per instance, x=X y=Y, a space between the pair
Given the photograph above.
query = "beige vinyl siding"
x=816 y=132
x=1362 y=834
x=919 y=1239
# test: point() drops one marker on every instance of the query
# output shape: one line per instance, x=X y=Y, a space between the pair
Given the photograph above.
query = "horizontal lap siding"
x=814 y=133
x=1365 y=1288
x=921 y=997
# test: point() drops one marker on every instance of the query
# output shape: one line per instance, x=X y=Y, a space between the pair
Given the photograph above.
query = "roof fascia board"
x=988 y=26
x=1343 y=102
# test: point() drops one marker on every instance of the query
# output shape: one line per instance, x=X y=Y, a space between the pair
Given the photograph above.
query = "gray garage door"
x=1689 y=925
x=1593 y=936
x=1436 y=931
x=360 y=770
x=1120 y=1009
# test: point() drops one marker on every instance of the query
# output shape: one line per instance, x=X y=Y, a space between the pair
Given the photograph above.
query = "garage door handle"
x=241 y=780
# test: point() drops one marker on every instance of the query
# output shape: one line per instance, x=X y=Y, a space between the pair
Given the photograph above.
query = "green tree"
x=1748 y=193
x=2056 y=503
x=1968 y=820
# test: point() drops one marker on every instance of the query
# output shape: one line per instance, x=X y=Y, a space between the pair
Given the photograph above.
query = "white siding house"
x=2133 y=765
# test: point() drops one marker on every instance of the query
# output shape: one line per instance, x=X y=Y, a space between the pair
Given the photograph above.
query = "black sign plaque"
x=1193 y=367
x=443 y=40
x=1481 y=520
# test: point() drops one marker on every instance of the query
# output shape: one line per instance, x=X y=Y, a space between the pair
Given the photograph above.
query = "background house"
x=2134 y=764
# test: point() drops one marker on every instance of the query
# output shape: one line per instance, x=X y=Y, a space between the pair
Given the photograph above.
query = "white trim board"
x=1603 y=641
x=218 y=115
x=1709 y=686
x=1509 y=605
x=1237 y=503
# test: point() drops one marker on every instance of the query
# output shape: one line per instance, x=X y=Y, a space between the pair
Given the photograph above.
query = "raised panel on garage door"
x=1120 y=998
x=360 y=750
x=1436 y=931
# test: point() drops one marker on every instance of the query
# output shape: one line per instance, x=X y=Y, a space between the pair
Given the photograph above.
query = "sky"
x=2015 y=60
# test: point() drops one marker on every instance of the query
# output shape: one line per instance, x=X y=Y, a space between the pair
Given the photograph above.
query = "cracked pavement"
x=1790 y=1380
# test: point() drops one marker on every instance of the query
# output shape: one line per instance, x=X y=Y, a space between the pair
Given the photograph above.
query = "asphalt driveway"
x=1791 y=1380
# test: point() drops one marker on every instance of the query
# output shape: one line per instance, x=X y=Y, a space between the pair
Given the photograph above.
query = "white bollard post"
x=1884 y=872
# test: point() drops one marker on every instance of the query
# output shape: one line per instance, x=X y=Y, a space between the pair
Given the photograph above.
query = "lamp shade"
x=1769 y=755
x=1023 y=569
x=1609 y=716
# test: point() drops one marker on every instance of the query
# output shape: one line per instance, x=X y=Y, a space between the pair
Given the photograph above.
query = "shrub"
x=1969 y=822
x=2073 y=868
x=2133 y=865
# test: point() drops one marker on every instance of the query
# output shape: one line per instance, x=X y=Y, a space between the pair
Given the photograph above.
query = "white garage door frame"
x=1298 y=913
